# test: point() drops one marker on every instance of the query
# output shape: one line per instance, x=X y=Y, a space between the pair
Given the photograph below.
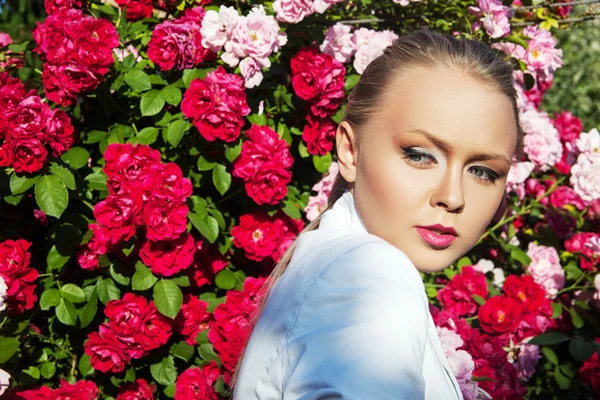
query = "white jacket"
x=349 y=319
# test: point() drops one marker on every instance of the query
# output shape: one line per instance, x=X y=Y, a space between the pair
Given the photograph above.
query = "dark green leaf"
x=167 y=297
x=576 y=318
x=581 y=350
x=549 y=354
x=351 y=81
x=204 y=164
x=147 y=135
x=47 y=369
x=51 y=195
x=548 y=338
x=55 y=260
x=85 y=367
x=207 y=352
x=8 y=347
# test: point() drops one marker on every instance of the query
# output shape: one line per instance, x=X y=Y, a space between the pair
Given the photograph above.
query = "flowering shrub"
x=167 y=154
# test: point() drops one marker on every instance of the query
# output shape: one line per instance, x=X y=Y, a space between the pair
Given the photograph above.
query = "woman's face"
x=437 y=152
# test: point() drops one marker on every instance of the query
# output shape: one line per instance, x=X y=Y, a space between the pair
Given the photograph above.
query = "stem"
x=574 y=285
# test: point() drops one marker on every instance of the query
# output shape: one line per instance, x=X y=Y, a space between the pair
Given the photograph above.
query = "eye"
x=416 y=157
x=485 y=174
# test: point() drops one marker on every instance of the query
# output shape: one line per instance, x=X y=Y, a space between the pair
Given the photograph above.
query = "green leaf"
x=175 y=131
x=66 y=312
x=322 y=163
x=233 y=152
x=207 y=352
x=138 y=80
x=204 y=164
x=76 y=157
x=202 y=337
x=96 y=180
x=51 y=195
x=171 y=94
x=576 y=319
x=207 y=226
x=8 y=347
x=548 y=338
x=143 y=278
x=107 y=290
x=63 y=174
x=520 y=256
x=55 y=260
x=351 y=81
x=164 y=372
x=120 y=278
x=556 y=310
x=302 y=150
x=190 y=74
x=73 y=293
x=48 y=369
x=221 y=178
x=463 y=262
x=50 y=298
x=562 y=380
x=225 y=279
x=581 y=350
x=152 y=102
x=478 y=299
x=147 y=135
x=549 y=354
x=88 y=312
x=20 y=184
x=292 y=210
x=85 y=366
x=182 y=350
x=168 y=298
x=33 y=372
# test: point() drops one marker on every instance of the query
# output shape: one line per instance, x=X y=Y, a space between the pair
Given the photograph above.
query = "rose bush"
x=166 y=154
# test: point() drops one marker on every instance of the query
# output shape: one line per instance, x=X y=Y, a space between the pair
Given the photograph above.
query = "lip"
x=437 y=239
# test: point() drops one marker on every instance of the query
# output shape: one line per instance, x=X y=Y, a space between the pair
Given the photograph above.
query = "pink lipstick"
x=437 y=236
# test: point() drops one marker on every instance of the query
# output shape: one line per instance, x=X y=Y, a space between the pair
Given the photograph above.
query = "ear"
x=346 y=151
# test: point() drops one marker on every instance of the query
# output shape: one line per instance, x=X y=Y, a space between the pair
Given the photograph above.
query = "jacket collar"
x=343 y=215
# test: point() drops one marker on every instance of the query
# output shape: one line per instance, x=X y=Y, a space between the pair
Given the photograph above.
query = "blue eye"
x=486 y=174
x=416 y=157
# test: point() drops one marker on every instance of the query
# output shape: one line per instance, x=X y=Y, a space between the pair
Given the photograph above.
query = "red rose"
x=59 y=132
x=58 y=6
x=136 y=9
x=208 y=261
x=106 y=353
x=17 y=275
x=168 y=257
x=255 y=235
x=457 y=295
x=197 y=383
x=524 y=289
x=500 y=314
x=590 y=372
x=28 y=155
x=126 y=317
x=41 y=393
x=166 y=182
x=319 y=79
x=269 y=184
x=128 y=162
x=289 y=228
x=138 y=390
x=118 y=213
x=80 y=390
x=28 y=119
x=155 y=331
x=217 y=105
x=504 y=383
x=193 y=318
x=165 y=221
x=62 y=83
x=319 y=135
x=178 y=43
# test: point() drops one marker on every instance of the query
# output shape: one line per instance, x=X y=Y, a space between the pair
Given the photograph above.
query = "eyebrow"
x=447 y=148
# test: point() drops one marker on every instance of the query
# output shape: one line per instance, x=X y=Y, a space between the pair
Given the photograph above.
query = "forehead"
x=451 y=106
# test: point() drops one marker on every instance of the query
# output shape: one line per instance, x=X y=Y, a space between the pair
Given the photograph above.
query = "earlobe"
x=346 y=151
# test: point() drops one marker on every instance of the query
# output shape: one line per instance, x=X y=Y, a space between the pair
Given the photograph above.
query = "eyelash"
x=491 y=175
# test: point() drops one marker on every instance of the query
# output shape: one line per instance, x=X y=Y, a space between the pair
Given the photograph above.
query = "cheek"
x=483 y=203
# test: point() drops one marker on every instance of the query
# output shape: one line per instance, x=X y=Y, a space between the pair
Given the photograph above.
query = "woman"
x=424 y=150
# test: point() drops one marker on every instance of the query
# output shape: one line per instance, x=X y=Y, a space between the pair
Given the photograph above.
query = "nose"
x=449 y=192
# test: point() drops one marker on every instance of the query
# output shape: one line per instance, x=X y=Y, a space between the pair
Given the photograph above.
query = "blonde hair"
x=421 y=47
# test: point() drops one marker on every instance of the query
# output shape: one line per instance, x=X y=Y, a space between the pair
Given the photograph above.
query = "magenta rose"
x=193 y=318
x=197 y=383
x=168 y=257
